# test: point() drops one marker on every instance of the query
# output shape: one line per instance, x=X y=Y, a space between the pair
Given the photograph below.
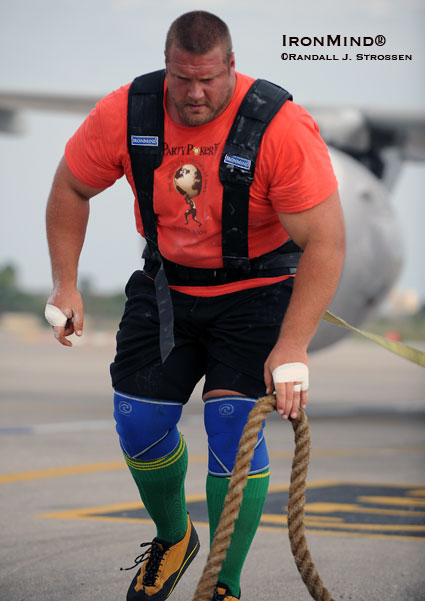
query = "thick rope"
x=296 y=502
x=233 y=500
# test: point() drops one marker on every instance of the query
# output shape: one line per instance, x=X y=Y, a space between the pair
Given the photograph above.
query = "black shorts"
x=225 y=338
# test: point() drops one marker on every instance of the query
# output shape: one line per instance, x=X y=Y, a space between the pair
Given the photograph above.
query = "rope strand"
x=296 y=503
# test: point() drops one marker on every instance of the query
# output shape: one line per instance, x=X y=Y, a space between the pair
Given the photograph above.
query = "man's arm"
x=320 y=232
x=67 y=215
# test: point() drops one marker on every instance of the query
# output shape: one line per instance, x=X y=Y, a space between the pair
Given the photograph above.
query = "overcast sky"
x=95 y=46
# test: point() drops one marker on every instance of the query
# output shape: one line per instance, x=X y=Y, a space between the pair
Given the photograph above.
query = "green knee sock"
x=161 y=486
x=245 y=526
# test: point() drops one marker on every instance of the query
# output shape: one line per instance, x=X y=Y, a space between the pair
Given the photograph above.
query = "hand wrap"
x=55 y=316
x=292 y=372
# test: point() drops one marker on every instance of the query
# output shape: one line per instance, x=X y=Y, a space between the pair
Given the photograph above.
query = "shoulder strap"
x=145 y=140
x=261 y=103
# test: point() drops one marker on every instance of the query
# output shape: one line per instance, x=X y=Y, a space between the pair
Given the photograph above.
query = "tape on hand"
x=55 y=316
x=292 y=372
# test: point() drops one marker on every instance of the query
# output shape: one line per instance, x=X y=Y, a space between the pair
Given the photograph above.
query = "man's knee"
x=225 y=418
x=147 y=428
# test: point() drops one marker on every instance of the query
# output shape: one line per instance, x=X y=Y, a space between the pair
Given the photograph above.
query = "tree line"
x=14 y=299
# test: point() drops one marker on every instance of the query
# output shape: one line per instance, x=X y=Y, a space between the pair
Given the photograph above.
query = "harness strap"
x=145 y=140
x=261 y=103
x=281 y=261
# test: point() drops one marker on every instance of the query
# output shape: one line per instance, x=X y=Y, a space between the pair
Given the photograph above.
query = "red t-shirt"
x=293 y=173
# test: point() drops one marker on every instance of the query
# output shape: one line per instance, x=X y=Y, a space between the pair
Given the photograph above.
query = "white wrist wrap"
x=292 y=372
x=54 y=316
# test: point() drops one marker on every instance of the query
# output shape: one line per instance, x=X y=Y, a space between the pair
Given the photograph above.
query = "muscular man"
x=191 y=211
x=234 y=323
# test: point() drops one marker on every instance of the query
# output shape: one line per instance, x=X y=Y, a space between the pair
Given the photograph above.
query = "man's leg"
x=242 y=332
x=148 y=403
x=147 y=414
x=156 y=455
x=225 y=418
x=157 y=458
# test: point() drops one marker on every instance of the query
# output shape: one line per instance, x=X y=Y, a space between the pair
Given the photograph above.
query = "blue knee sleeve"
x=225 y=419
x=146 y=427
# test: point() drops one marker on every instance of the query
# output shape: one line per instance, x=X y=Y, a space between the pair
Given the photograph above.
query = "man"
x=236 y=326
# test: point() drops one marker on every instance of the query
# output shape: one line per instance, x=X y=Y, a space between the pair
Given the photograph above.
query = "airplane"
x=367 y=149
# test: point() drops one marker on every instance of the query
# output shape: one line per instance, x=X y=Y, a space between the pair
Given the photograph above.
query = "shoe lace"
x=154 y=556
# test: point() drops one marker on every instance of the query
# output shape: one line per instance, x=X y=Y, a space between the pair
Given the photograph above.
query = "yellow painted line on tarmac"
x=368 y=535
x=350 y=508
x=331 y=523
x=54 y=472
x=312 y=508
x=393 y=501
x=381 y=527
x=276 y=518
x=73 y=470
x=322 y=519
x=97 y=513
x=272 y=518
x=92 y=513
x=417 y=493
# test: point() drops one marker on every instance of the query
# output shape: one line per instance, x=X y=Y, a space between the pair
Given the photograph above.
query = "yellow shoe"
x=222 y=593
x=163 y=566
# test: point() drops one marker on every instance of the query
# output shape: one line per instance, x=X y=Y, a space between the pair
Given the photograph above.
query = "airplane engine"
x=374 y=248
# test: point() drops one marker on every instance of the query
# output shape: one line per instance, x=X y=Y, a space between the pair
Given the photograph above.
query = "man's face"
x=199 y=87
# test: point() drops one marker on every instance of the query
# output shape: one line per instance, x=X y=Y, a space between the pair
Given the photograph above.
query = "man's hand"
x=289 y=396
x=70 y=303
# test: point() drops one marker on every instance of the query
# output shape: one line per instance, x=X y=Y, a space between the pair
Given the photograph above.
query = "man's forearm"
x=66 y=222
x=315 y=284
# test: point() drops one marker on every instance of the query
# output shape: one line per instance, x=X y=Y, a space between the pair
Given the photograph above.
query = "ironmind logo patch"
x=235 y=161
x=144 y=140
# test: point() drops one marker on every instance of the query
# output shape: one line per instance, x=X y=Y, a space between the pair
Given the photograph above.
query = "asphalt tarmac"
x=69 y=511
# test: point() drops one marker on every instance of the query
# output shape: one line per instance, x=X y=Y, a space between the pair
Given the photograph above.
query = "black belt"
x=281 y=261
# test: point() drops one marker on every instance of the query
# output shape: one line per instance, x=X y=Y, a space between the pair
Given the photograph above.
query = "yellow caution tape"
x=400 y=349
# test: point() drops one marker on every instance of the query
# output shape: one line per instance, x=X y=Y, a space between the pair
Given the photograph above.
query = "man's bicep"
x=317 y=223
x=65 y=179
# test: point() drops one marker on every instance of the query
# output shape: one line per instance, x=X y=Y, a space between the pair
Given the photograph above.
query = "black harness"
x=145 y=139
